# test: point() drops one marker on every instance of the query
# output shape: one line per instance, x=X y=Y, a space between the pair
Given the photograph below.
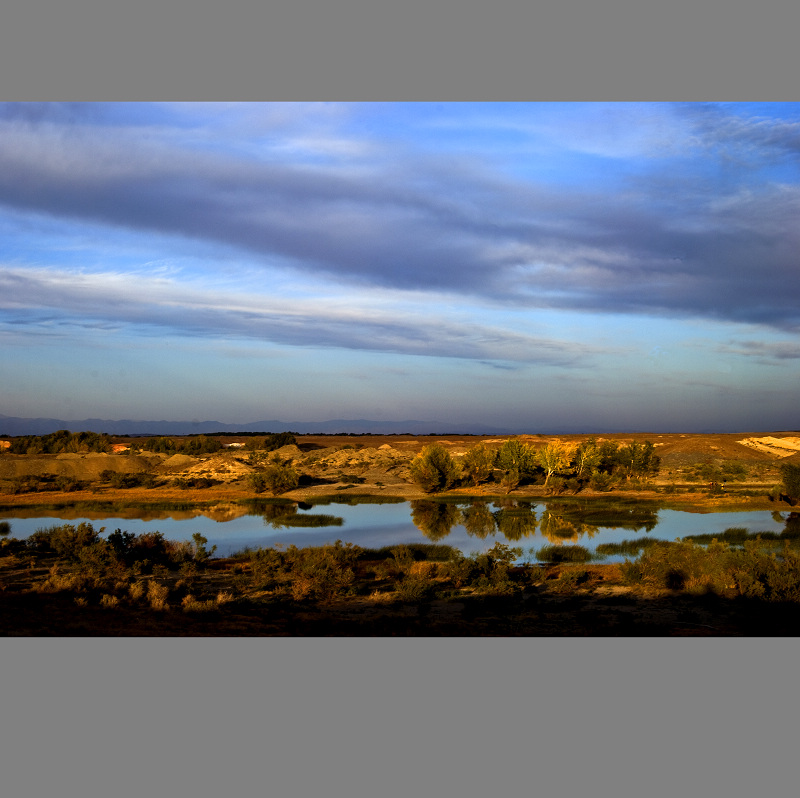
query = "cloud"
x=49 y=299
x=674 y=242
x=748 y=137
x=767 y=352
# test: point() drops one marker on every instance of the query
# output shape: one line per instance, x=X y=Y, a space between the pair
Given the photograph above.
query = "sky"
x=536 y=266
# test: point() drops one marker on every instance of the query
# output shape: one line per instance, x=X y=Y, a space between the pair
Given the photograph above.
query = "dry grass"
x=157 y=596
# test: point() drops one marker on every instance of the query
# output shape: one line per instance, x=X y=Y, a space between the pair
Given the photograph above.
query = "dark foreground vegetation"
x=74 y=580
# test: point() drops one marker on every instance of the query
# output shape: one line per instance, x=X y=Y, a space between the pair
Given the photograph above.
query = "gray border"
x=397 y=717
x=356 y=51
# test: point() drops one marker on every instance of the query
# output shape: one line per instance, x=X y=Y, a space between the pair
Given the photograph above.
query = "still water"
x=469 y=526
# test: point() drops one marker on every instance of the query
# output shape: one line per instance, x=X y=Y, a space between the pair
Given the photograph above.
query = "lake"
x=468 y=526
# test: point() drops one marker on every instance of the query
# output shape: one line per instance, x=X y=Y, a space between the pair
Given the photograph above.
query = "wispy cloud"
x=774 y=353
x=109 y=301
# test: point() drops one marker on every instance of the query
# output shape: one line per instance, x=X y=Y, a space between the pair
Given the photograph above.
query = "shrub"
x=424 y=570
x=458 y=570
x=415 y=588
x=190 y=604
x=68 y=484
x=601 y=482
x=477 y=464
x=136 y=590
x=265 y=565
x=28 y=484
x=493 y=565
x=66 y=540
x=146 y=549
x=201 y=553
x=403 y=557
x=433 y=469
x=157 y=596
x=559 y=554
x=122 y=481
x=276 y=477
x=569 y=580
x=322 y=572
x=790 y=474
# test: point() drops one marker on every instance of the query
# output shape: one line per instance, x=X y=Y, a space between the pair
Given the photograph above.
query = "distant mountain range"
x=10 y=425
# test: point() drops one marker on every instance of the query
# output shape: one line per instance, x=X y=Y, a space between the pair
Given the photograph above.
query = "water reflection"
x=478 y=520
x=516 y=521
x=435 y=519
x=561 y=522
x=610 y=515
x=559 y=528
x=273 y=514
x=465 y=524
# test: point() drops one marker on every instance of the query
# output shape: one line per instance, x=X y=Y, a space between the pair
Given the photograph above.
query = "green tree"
x=790 y=475
x=638 y=459
x=514 y=455
x=587 y=458
x=477 y=464
x=433 y=469
x=554 y=457
x=517 y=460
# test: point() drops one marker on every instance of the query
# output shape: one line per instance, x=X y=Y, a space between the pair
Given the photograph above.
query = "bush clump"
x=753 y=570
x=277 y=477
x=434 y=470
x=560 y=554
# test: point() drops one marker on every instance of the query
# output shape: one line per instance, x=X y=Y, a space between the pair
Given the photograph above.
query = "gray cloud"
x=47 y=301
x=673 y=244
x=772 y=353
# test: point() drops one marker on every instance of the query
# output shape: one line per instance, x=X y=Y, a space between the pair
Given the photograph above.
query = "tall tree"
x=554 y=457
x=587 y=458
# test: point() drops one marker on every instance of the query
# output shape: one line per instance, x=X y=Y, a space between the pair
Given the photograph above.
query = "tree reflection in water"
x=434 y=519
x=516 y=521
x=612 y=514
x=557 y=528
x=478 y=520
x=560 y=522
x=273 y=513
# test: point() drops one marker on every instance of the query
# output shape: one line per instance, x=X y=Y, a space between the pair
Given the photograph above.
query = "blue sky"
x=592 y=266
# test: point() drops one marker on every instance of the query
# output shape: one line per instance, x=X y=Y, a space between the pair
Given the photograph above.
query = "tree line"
x=60 y=442
x=558 y=466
